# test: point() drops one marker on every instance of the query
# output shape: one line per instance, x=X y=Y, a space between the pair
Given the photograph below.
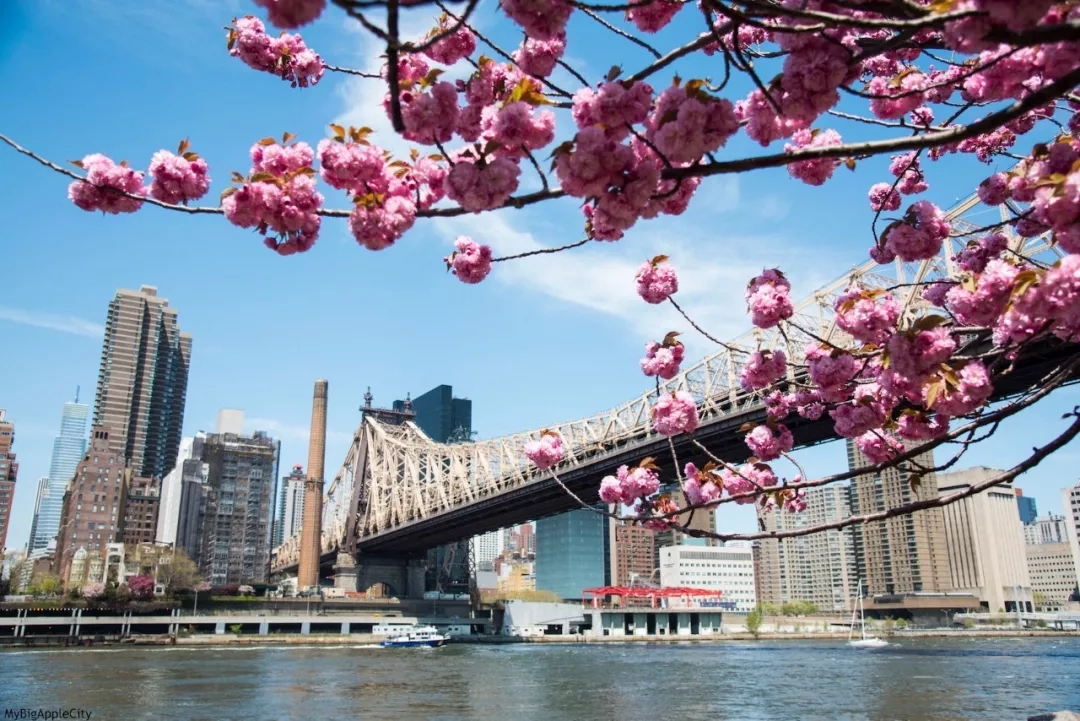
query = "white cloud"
x=286 y=432
x=52 y=321
x=714 y=266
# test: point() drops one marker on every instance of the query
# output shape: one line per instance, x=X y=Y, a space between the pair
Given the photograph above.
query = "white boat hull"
x=868 y=643
x=426 y=643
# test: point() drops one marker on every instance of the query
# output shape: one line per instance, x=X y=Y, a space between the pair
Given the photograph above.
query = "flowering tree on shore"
x=911 y=368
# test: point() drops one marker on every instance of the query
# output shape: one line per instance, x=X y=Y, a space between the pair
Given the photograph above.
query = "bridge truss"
x=394 y=474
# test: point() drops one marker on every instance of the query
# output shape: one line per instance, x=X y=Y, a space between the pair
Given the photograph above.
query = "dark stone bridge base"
x=402 y=575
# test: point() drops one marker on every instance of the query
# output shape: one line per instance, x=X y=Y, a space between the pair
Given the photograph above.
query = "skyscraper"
x=241 y=477
x=68 y=449
x=188 y=468
x=291 y=512
x=1026 y=506
x=142 y=381
x=820 y=567
x=440 y=416
x=985 y=542
x=1070 y=502
x=905 y=554
x=40 y=497
x=486 y=548
x=573 y=552
x=444 y=419
x=9 y=471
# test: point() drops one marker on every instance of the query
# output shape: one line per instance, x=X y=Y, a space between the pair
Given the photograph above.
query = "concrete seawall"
x=367 y=639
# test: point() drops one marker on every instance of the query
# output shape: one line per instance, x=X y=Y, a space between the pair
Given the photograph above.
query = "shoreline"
x=366 y=639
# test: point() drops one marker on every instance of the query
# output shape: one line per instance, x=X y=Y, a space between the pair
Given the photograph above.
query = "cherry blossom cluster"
x=657 y=280
x=471 y=262
x=663 y=359
x=178 y=178
x=108 y=186
x=290 y=14
x=628 y=485
x=286 y=56
x=278 y=197
x=116 y=188
x=545 y=452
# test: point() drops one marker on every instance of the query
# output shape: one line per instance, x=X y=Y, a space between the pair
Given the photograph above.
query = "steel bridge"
x=398 y=493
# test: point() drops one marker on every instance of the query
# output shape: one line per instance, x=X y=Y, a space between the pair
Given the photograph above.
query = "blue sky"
x=537 y=343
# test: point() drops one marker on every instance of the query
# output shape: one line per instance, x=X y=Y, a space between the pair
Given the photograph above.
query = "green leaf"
x=613 y=73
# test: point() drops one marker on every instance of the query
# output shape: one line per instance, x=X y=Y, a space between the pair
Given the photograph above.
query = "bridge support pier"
x=402 y=575
x=345 y=572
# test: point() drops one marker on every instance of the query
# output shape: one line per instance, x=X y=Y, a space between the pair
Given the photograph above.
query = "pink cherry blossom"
x=451 y=47
x=916 y=354
x=813 y=172
x=376 y=224
x=972 y=391
x=767 y=445
x=290 y=14
x=471 y=262
x=884 y=197
x=613 y=106
x=178 y=179
x=539 y=57
x=662 y=359
x=675 y=413
x=918 y=426
x=430 y=117
x=540 y=19
x=702 y=486
x=545 y=452
x=767 y=298
x=977 y=254
x=653 y=16
x=481 y=185
x=686 y=122
x=103 y=177
x=879 y=447
x=656 y=280
x=355 y=167
x=830 y=369
x=763 y=369
x=906 y=168
x=869 y=316
x=920 y=234
x=286 y=56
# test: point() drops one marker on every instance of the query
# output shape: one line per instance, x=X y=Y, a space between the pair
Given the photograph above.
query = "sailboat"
x=865 y=641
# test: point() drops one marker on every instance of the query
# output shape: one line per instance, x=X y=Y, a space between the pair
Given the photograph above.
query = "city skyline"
x=500 y=342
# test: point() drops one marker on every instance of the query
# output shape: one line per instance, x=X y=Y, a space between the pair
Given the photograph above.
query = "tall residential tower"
x=142 y=381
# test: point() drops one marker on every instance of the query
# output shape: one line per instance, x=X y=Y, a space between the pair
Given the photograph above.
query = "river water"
x=996 y=679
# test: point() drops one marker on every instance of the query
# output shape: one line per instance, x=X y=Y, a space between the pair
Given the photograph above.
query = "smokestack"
x=311 y=528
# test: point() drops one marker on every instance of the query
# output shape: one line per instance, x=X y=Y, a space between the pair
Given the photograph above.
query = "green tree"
x=45 y=584
x=753 y=620
x=178 y=572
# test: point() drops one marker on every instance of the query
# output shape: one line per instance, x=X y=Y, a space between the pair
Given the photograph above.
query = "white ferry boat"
x=417 y=636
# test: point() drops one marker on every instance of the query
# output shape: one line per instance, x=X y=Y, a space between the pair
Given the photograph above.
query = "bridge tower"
x=311 y=529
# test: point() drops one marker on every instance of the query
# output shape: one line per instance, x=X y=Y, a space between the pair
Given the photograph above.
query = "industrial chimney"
x=311 y=529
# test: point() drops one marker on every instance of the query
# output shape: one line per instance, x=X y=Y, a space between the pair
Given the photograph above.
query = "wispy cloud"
x=714 y=266
x=288 y=432
x=52 y=321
